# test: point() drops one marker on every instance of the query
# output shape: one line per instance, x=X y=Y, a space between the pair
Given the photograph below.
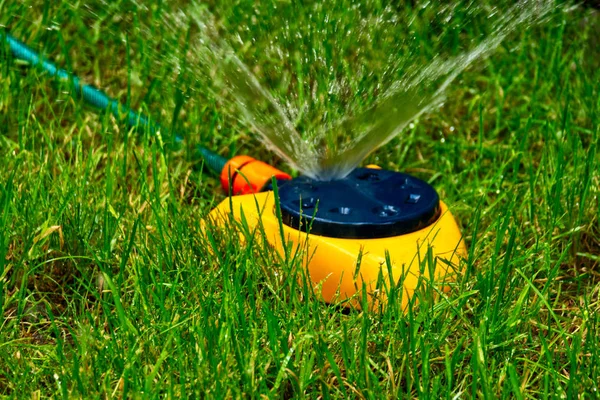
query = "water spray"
x=372 y=230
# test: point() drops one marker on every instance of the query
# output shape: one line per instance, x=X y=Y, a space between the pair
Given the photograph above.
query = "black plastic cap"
x=367 y=204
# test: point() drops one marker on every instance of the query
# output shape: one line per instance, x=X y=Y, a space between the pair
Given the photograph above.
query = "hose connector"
x=246 y=175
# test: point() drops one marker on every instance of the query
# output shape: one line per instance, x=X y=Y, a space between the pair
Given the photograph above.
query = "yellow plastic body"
x=331 y=263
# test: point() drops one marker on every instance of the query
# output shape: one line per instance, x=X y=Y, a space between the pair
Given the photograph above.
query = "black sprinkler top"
x=367 y=204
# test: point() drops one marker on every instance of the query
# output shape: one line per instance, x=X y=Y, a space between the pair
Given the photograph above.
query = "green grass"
x=109 y=288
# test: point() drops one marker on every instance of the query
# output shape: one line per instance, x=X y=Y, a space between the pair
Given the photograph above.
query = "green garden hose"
x=102 y=101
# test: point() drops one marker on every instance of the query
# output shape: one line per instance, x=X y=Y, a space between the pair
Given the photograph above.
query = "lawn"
x=109 y=286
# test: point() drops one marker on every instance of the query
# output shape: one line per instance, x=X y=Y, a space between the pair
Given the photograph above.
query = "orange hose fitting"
x=247 y=175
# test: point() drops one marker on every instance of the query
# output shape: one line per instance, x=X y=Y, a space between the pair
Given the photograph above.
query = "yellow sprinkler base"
x=339 y=268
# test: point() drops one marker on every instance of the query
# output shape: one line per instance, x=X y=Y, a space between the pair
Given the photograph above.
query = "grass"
x=109 y=287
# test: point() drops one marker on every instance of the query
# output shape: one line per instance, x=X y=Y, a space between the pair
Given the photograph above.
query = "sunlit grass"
x=109 y=286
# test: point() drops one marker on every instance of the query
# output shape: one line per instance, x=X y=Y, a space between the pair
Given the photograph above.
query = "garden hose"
x=254 y=177
x=87 y=92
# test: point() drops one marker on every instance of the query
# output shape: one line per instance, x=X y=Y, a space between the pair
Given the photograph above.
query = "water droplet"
x=341 y=210
x=385 y=211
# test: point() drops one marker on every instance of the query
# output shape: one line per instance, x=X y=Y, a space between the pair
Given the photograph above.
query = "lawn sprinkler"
x=372 y=229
